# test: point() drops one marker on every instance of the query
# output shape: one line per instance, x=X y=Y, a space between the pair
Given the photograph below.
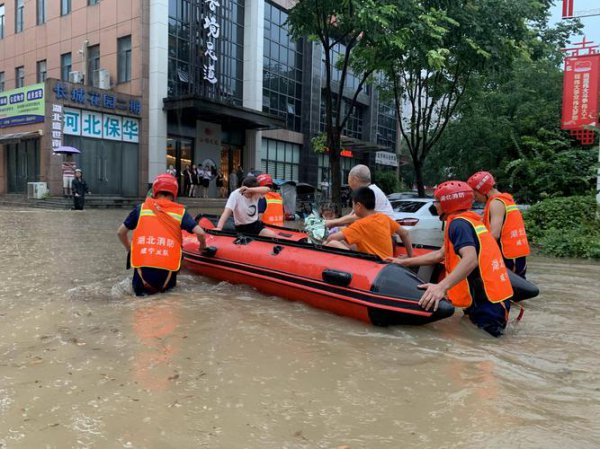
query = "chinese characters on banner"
x=213 y=30
x=84 y=123
x=580 y=91
x=57 y=126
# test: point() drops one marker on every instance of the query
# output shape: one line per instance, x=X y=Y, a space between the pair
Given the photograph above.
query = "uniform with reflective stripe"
x=273 y=214
x=491 y=265
x=156 y=241
x=513 y=238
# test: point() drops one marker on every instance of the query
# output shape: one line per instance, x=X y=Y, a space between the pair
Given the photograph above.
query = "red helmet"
x=264 y=180
x=454 y=195
x=165 y=183
x=481 y=182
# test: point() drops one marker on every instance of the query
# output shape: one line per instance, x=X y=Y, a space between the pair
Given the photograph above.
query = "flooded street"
x=84 y=364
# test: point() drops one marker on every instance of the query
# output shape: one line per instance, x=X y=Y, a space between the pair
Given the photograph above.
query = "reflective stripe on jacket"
x=273 y=214
x=496 y=283
x=156 y=241
x=513 y=238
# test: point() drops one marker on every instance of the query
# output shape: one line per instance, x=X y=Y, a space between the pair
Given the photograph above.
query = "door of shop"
x=109 y=168
x=231 y=159
x=23 y=164
x=179 y=155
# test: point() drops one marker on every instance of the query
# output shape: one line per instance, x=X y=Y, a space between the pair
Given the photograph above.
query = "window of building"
x=124 y=59
x=324 y=171
x=41 y=71
x=65 y=7
x=187 y=73
x=19 y=15
x=1 y=81
x=41 y=11
x=93 y=63
x=1 y=21
x=280 y=159
x=19 y=77
x=354 y=124
x=282 y=70
x=65 y=66
x=93 y=2
x=386 y=126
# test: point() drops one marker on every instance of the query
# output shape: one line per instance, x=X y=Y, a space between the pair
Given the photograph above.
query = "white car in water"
x=420 y=218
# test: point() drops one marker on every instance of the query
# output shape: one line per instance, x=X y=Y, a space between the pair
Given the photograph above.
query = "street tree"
x=431 y=73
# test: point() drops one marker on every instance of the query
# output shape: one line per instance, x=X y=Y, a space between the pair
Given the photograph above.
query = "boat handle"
x=209 y=251
x=335 y=277
x=276 y=250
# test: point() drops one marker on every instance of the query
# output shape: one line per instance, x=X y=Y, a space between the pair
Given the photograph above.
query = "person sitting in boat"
x=155 y=248
x=243 y=205
x=329 y=211
x=360 y=176
x=270 y=207
x=476 y=277
x=504 y=220
x=372 y=231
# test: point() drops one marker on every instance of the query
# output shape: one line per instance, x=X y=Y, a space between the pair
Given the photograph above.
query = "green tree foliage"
x=461 y=45
x=509 y=124
x=565 y=227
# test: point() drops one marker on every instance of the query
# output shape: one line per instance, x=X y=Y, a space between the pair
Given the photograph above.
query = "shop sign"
x=22 y=106
x=86 y=96
x=346 y=153
x=57 y=126
x=84 y=123
x=386 y=158
x=580 y=91
x=213 y=31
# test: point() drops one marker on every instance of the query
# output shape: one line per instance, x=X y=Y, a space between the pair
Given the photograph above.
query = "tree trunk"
x=334 y=145
x=419 y=177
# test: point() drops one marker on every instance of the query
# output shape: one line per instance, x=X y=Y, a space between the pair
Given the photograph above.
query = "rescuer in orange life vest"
x=504 y=220
x=476 y=278
x=271 y=205
x=155 y=247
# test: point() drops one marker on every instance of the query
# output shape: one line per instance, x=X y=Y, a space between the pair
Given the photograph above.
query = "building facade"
x=140 y=85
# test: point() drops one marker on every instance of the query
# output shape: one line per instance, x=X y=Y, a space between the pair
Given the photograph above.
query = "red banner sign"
x=580 y=91
x=567 y=8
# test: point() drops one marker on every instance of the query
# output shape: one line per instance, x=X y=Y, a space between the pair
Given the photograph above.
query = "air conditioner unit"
x=76 y=77
x=37 y=190
x=102 y=79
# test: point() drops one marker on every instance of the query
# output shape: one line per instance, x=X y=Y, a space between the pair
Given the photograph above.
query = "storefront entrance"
x=22 y=164
x=231 y=159
x=180 y=153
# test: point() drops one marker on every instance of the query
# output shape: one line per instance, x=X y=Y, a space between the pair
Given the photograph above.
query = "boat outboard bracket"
x=209 y=251
x=335 y=277
x=242 y=240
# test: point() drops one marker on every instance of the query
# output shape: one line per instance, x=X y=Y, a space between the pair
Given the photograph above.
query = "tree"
x=350 y=28
x=432 y=73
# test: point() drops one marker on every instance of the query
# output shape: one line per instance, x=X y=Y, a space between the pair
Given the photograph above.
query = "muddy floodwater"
x=84 y=364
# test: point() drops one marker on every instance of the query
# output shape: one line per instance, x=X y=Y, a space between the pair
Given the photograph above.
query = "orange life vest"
x=495 y=278
x=156 y=241
x=273 y=214
x=513 y=238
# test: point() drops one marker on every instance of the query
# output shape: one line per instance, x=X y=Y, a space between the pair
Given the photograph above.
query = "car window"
x=433 y=210
x=407 y=206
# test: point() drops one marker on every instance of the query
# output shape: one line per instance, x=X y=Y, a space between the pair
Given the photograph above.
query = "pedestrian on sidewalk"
x=80 y=189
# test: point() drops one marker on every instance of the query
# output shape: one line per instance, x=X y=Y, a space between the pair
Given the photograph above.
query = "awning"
x=227 y=115
x=361 y=146
x=16 y=137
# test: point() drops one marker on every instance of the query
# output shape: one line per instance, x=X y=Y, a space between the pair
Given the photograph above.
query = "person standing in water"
x=79 y=188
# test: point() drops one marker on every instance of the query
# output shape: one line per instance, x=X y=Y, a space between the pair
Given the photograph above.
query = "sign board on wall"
x=22 y=106
x=78 y=122
x=580 y=91
x=386 y=158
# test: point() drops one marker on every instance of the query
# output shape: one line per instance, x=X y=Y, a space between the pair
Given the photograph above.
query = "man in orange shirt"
x=372 y=232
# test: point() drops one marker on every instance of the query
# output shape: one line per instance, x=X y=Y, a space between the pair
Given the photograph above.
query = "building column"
x=158 y=86
x=254 y=26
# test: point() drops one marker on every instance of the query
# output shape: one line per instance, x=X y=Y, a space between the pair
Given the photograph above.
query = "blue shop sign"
x=83 y=96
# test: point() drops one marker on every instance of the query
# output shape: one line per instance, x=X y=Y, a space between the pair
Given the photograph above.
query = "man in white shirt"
x=360 y=176
x=243 y=205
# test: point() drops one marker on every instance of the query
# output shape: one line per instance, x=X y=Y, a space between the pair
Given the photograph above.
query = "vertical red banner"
x=567 y=8
x=580 y=91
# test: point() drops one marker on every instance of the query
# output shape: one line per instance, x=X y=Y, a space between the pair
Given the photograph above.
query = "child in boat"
x=243 y=205
x=372 y=232
x=329 y=211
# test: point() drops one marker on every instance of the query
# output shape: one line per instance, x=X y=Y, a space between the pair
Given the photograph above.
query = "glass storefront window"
x=280 y=159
